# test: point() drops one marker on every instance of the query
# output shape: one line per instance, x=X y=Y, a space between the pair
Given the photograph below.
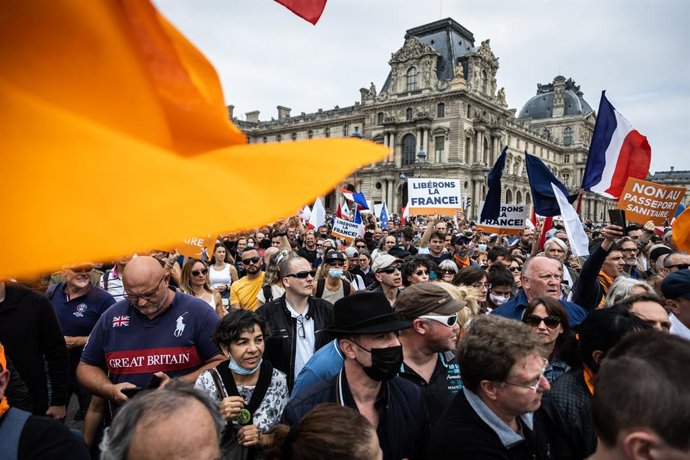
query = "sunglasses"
x=251 y=260
x=336 y=263
x=360 y=246
x=449 y=272
x=203 y=271
x=551 y=322
x=301 y=275
x=678 y=266
x=421 y=272
x=390 y=269
x=515 y=269
x=449 y=320
x=82 y=269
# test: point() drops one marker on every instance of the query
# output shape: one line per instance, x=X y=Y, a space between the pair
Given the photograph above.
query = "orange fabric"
x=589 y=378
x=605 y=281
x=109 y=96
x=681 y=231
x=461 y=263
x=4 y=405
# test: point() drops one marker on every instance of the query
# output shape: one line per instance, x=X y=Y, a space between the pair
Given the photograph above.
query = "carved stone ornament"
x=486 y=54
x=412 y=49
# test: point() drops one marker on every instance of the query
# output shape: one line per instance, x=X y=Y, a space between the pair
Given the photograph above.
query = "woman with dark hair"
x=548 y=319
x=566 y=409
x=477 y=278
x=328 y=431
x=250 y=393
x=415 y=269
x=222 y=272
x=194 y=281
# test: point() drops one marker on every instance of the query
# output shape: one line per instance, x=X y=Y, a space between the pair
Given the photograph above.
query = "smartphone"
x=617 y=217
x=131 y=392
x=154 y=383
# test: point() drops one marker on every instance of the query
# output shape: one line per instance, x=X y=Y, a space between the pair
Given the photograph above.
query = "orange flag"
x=681 y=231
x=115 y=139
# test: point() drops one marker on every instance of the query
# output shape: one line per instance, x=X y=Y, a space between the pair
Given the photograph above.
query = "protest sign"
x=199 y=247
x=644 y=201
x=433 y=196
x=346 y=229
x=511 y=221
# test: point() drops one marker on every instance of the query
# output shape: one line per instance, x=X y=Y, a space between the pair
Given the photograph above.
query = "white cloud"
x=639 y=51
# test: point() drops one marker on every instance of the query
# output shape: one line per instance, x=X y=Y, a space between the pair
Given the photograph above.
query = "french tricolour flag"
x=616 y=153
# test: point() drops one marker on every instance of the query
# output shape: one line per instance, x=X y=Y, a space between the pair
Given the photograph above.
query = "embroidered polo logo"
x=179 y=325
x=81 y=308
x=120 y=321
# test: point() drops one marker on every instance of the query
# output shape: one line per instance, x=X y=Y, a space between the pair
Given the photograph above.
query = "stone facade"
x=442 y=114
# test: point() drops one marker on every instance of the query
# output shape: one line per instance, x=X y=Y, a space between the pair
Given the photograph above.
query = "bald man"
x=154 y=330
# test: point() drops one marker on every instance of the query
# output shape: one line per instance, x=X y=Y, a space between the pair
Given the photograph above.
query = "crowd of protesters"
x=425 y=339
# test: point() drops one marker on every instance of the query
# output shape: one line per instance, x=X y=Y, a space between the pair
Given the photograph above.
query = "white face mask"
x=498 y=299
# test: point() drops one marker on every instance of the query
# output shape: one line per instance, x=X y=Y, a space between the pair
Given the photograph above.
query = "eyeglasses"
x=480 y=285
x=449 y=320
x=251 y=260
x=421 y=272
x=203 y=271
x=551 y=322
x=360 y=246
x=630 y=250
x=300 y=327
x=148 y=296
x=534 y=387
x=515 y=269
x=389 y=270
x=301 y=275
x=679 y=266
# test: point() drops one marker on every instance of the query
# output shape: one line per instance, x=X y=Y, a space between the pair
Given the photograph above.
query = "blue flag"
x=492 y=202
x=540 y=180
x=384 y=216
x=358 y=217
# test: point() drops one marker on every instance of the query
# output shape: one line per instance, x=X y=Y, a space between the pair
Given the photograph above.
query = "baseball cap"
x=420 y=299
x=334 y=256
x=351 y=252
x=658 y=251
x=383 y=261
x=677 y=285
x=461 y=240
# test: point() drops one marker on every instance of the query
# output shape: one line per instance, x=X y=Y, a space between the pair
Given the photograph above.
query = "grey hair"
x=622 y=288
x=147 y=408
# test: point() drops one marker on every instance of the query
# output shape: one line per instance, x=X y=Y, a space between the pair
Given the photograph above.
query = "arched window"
x=485 y=82
x=441 y=110
x=568 y=136
x=409 y=144
x=411 y=79
x=547 y=133
x=509 y=197
x=468 y=149
x=379 y=118
x=518 y=197
x=310 y=134
x=327 y=132
x=528 y=198
x=485 y=156
x=408 y=114
x=294 y=136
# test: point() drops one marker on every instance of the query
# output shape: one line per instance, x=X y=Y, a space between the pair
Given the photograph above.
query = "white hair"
x=623 y=287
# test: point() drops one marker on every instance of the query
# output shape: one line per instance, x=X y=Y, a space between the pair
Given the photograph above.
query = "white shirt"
x=678 y=328
x=305 y=338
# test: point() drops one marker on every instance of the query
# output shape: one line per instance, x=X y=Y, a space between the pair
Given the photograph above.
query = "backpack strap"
x=346 y=288
x=11 y=432
x=106 y=275
x=229 y=385
x=320 y=285
x=268 y=292
x=51 y=290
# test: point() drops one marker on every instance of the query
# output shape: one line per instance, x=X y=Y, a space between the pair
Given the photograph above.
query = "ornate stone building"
x=442 y=114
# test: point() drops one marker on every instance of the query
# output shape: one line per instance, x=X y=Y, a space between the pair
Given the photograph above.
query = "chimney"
x=671 y=168
x=231 y=109
x=283 y=112
x=558 y=97
x=252 y=117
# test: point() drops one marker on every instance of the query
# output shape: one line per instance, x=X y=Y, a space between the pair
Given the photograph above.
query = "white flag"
x=318 y=214
x=579 y=243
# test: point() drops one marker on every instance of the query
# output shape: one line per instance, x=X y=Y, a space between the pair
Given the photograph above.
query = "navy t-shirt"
x=132 y=347
x=78 y=316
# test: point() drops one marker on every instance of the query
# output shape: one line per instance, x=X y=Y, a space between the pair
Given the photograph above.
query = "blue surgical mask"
x=237 y=369
x=335 y=272
x=482 y=246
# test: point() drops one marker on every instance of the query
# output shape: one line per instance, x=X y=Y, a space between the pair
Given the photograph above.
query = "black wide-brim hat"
x=365 y=313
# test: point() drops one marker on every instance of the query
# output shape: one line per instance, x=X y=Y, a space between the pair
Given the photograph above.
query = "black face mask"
x=385 y=362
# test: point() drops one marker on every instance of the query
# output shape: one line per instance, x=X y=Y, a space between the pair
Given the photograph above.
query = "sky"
x=636 y=50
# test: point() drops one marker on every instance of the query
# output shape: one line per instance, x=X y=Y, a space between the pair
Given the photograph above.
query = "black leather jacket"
x=281 y=342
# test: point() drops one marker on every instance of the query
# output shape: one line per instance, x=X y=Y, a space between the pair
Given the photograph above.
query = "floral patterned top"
x=271 y=408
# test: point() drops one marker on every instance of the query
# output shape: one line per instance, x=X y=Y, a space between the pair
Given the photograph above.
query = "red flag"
x=309 y=10
x=339 y=212
x=405 y=215
x=546 y=226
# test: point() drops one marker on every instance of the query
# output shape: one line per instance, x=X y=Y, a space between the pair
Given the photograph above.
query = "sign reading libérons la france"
x=433 y=196
x=511 y=220
x=346 y=229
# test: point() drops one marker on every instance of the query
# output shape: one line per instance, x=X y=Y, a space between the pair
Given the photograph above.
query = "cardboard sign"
x=433 y=196
x=644 y=201
x=511 y=221
x=346 y=229
x=199 y=248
